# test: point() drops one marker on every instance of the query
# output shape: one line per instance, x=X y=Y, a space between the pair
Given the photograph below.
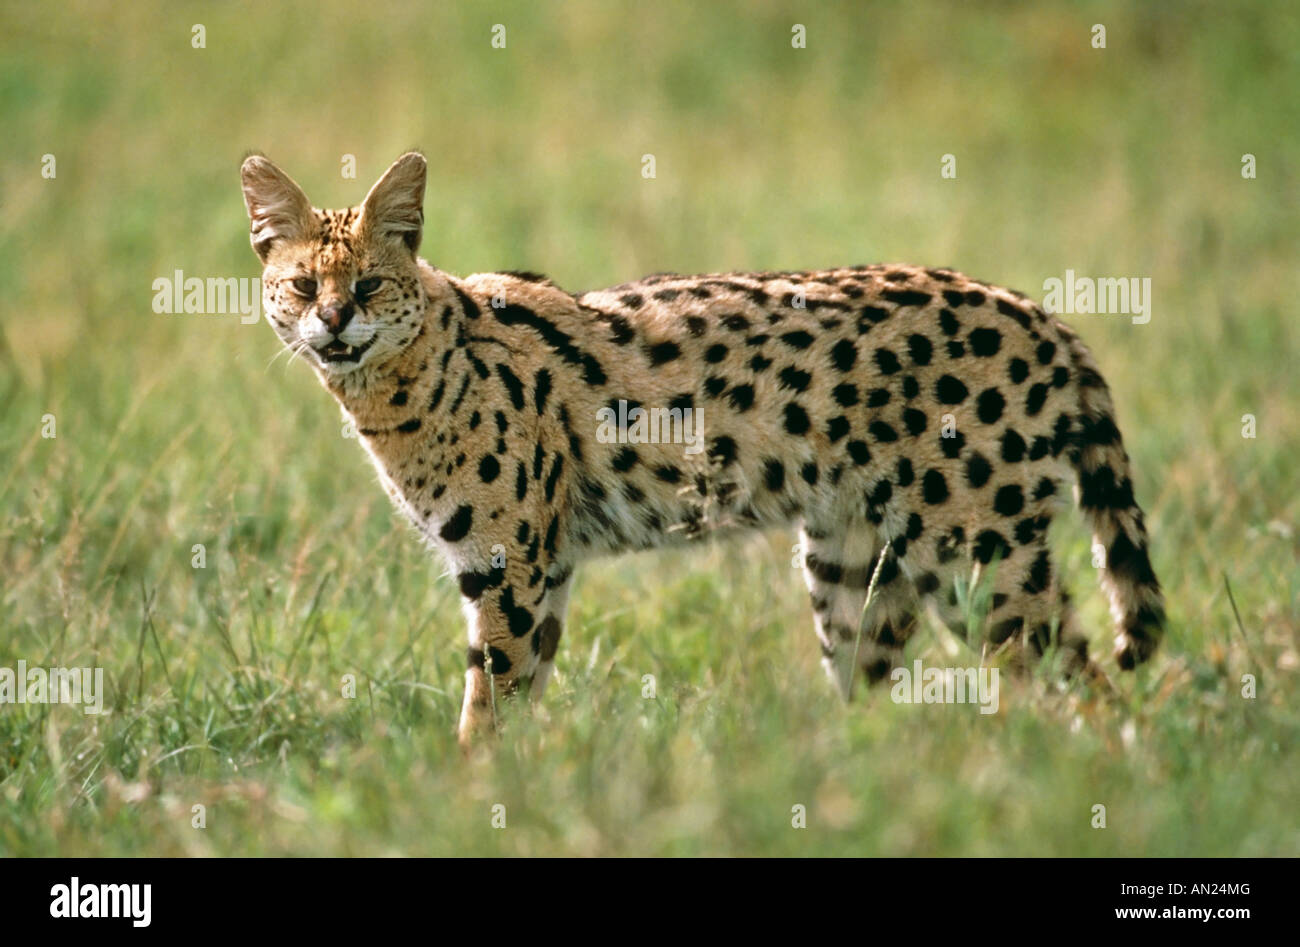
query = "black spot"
x=1009 y=500
x=736 y=323
x=398 y=399
x=956 y=350
x=1063 y=436
x=1060 y=375
x=546 y=639
x=457 y=527
x=1130 y=562
x=845 y=395
x=1041 y=447
x=663 y=352
x=714 y=385
x=741 y=397
x=829 y=572
x=553 y=478
x=887 y=362
x=1018 y=370
x=914 y=420
x=934 y=487
x=880 y=495
x=837 y=427
x=882 y=432
x=794 y=378
x=927 y=583
x=990 y=543
x=797 y=340
x=915 y=526
x=1013 y=446
x=844 y=354
x=948 y=322
x=722 y=451
x=953 y=298
x=513 y=385
x=1034 y=400
x=1046 y=351
x=1040 y=574
x=715 y=353
x=911 y=388
x=905 y=473
x=950 y=390
x=521 y=481
x=668 y=473
x=773 y=474
x=919 y=347
x=988 y=408
x=974 y=298
x=500 y=662
x=796 y=419
x=472 y=584
x=518 y=619
x=488 y=468
x=985 y=342
x=1046 y=488
x=859 y=452
x=978 y=470
x=620 y=331
x=877 y=397
x=810 y=473
x=951 y=446
x=541 y=389
x=695 y=325
x=632 y=300
x=906 y=297
x=406 y=427
x=469 y=306
x=624 y=460
x=1014 y=311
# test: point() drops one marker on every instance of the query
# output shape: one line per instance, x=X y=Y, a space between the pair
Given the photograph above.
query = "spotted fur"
x=871 y=406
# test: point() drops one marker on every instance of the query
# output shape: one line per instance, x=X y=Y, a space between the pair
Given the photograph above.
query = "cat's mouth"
x=340 y=351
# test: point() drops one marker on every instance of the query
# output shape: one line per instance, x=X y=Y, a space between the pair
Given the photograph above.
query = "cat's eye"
x=305 y=286
x=367 y=286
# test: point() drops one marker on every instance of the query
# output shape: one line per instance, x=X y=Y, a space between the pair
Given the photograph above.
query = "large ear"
x=395 y=205
x=277 y=207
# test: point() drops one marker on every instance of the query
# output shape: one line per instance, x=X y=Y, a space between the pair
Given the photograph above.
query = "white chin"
x=342 y=368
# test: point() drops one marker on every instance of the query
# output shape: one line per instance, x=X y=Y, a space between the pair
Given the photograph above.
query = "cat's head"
x=342 y=288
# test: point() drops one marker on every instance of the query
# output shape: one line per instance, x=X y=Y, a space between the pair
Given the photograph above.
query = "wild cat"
x=904 y=418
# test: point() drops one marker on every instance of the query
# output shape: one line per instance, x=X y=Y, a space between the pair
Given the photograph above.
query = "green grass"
x=225 y=682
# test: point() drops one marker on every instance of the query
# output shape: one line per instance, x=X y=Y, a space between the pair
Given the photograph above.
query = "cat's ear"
x=277 y=207
x=395 y=205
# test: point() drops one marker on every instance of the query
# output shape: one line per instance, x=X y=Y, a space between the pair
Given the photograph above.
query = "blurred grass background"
x=224 y=683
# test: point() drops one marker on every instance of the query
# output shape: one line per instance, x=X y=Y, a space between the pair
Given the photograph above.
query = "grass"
x=225 y=683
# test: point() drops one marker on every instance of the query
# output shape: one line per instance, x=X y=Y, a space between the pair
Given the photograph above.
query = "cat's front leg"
x=515 y=618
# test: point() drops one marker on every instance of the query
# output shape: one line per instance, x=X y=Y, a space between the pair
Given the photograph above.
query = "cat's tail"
x=1105 y=495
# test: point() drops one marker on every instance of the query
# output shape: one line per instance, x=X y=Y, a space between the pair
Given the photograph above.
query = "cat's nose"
x=336 y=314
